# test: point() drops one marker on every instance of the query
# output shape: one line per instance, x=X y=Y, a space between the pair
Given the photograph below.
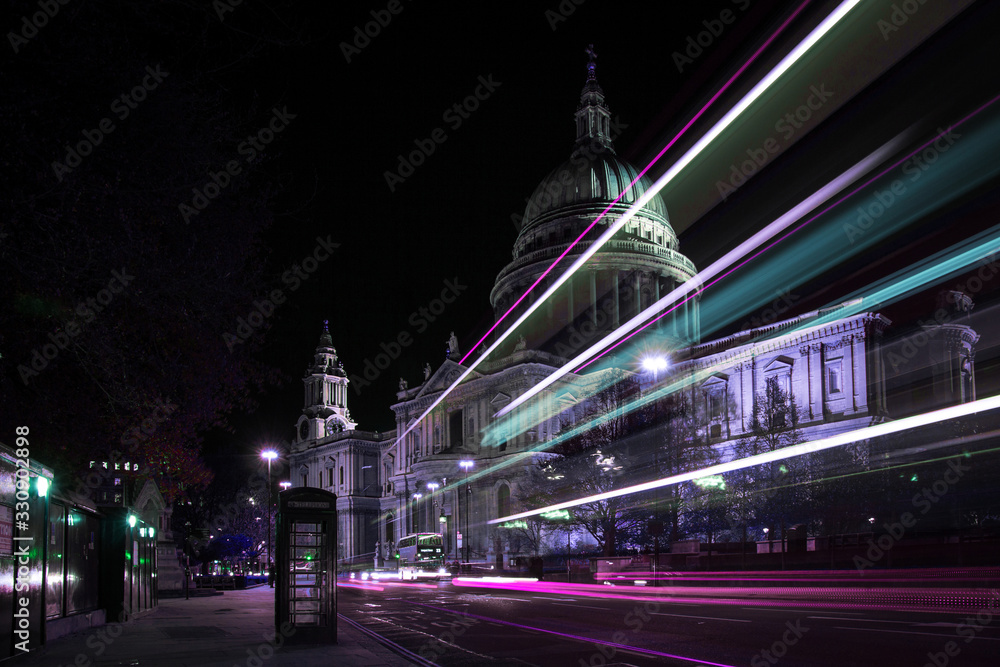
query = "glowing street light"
x=466 y=466
x=269 y=455
x=284 y=485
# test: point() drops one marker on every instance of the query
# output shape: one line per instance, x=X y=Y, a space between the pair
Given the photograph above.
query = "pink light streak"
x=588 y=640
x=839 y=440
x=800 y=227
x=684 y=129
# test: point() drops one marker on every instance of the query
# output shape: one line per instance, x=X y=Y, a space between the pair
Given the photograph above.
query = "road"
x=530 y=624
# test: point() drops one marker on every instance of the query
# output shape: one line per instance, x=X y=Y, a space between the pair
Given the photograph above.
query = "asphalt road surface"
x=450 y=625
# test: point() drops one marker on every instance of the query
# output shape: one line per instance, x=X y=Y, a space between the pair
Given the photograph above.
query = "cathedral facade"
x=457 y=468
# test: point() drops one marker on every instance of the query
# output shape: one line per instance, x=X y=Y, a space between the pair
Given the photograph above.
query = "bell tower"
x=324 y=409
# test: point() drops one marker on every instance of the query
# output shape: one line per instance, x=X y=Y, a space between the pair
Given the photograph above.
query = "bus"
x=421 y=556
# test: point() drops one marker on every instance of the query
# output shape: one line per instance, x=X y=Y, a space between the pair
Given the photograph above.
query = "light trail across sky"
x=933 y=417
x=727 y=264
x=822 y=29
x=717 y=129
x=689 y=287
x=906 y=281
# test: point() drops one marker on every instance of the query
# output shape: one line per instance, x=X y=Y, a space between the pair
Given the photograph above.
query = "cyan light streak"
x=717 y=129
x=901 y=284
x=949 y=186
x=840 y=440
x=724 y=264
x=683 y=162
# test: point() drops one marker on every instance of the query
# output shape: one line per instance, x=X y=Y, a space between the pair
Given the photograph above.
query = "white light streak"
x=840 y=440
x=717 y=267
x=817 y=33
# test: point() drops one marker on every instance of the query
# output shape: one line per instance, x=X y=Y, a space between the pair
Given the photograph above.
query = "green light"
x=914 y=478
x=556 y=515
x=43 y=486
x=513 y=524
x=131 y=521
x=712 y=481
x=152 y=531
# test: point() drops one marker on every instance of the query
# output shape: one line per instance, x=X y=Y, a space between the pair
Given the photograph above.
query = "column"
x=617 y=314
x=593 y=297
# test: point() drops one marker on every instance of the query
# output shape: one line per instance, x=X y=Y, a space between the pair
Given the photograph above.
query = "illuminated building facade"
x=834 y=367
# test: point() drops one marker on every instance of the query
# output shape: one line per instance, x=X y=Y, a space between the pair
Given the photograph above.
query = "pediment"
x=500 y=400
x=779 y=363
x=716 y=379
x=444 y=377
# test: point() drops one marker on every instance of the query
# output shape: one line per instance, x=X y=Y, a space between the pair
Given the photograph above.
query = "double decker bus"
x=421 y=556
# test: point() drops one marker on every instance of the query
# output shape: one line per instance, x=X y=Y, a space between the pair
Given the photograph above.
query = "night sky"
x=349 y=106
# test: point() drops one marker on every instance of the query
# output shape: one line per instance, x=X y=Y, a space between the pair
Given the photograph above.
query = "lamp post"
x=655 y=364
x=284 y=485
x=269 y=455
x=431 y=487
x=466 y=465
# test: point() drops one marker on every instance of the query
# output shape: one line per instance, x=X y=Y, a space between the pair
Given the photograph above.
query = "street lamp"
x=466 y=465
x=269 y=455
x=284 y=485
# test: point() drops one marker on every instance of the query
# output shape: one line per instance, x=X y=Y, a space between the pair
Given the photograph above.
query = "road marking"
x=559 y=604
x=864 y=620
x=710 y=618
x=808 y=611
x=904 y=632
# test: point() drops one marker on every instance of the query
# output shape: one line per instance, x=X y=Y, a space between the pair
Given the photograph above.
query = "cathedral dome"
x=590 y=178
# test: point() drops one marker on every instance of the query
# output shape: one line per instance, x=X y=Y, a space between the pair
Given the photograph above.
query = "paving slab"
x=235 y=629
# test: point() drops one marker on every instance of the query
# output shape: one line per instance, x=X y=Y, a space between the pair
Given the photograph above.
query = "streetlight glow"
x=269 y=455
x=654 y=364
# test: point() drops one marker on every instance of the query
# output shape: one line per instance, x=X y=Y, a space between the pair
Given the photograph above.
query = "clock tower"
x=325 y=382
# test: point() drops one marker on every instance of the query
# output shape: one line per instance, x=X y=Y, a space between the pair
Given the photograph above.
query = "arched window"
x=341 y=475
x=503 y=500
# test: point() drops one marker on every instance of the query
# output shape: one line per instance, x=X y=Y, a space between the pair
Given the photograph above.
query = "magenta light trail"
x=587 y=640
x=823 y=212
x=817 y=33
x=744 y=248
x=695 y=284
x=604 y=237
x=792 y=451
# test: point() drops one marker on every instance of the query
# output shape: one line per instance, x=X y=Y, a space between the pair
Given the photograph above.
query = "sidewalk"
x=219 y=631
